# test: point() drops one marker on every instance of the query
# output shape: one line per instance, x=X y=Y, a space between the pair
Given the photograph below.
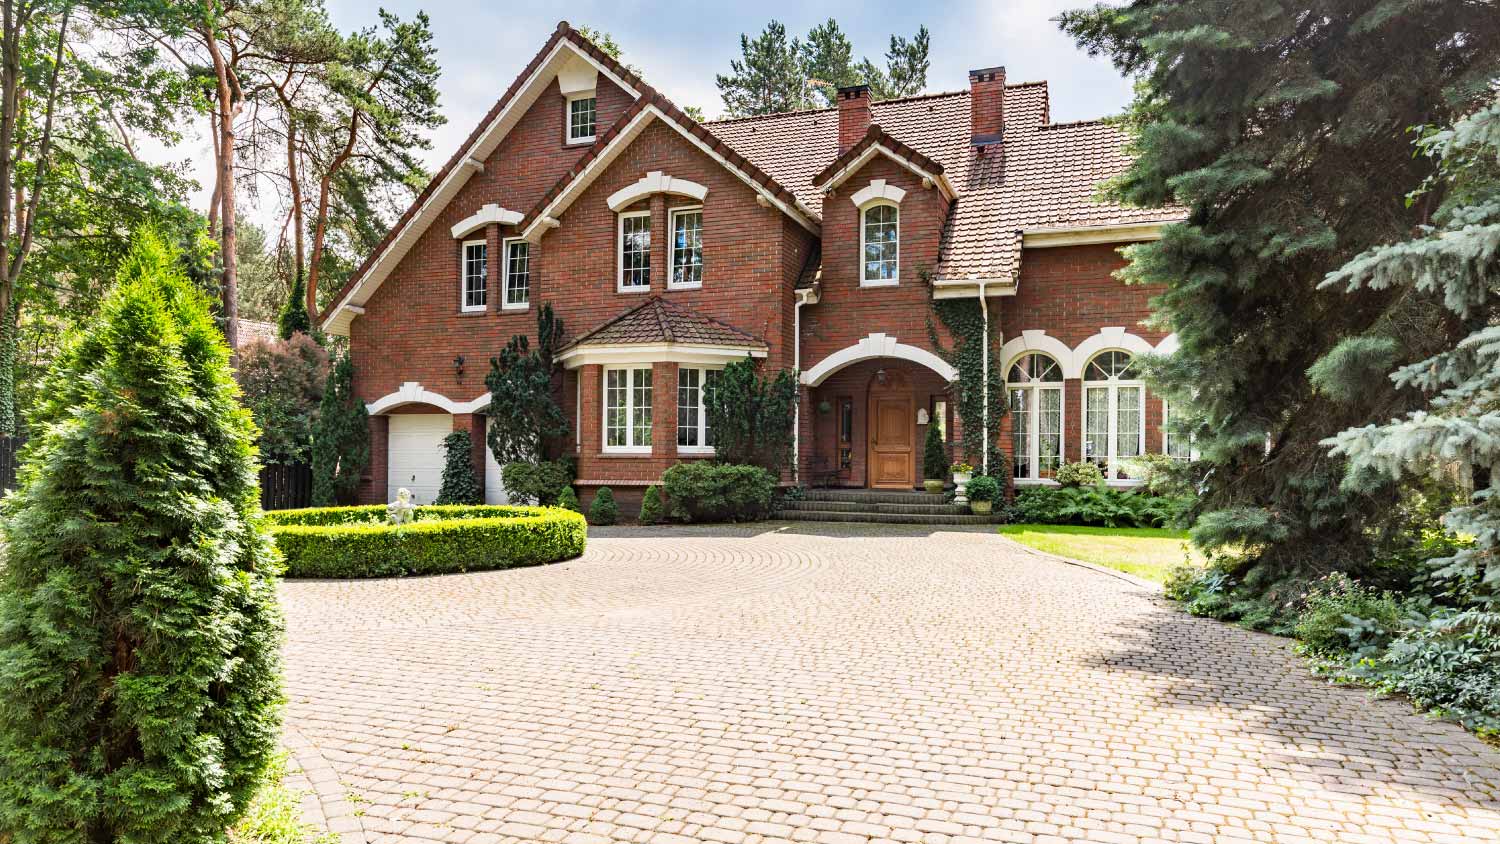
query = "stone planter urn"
x=981 y=508
x=933 y=486
x=961 y=479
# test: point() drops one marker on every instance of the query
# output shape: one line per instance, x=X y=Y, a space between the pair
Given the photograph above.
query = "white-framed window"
x=517 y=275
x=1114 y=413
x=1036 y=407
x=627 y=410
x=693 y=432
x=474 y=286
x=687 y=248
x=581 y=116
x=635 y=252
x=1175 y=444
x=879 y=247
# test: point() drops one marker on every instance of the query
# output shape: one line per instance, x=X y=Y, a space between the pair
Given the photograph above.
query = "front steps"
x=878 y=506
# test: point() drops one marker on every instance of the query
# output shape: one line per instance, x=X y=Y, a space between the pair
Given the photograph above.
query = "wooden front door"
x=892 y=439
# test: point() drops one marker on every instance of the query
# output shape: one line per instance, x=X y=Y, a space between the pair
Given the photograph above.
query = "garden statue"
x=402 y=511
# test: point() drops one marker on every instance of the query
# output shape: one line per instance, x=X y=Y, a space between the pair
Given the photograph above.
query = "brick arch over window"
x=1036 y=340
x=1105 y=340
x=877 y=189
x=412 y=392
x=654 y=182
x=877 y=346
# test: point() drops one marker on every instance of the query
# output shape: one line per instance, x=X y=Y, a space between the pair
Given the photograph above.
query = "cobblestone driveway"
x=840 y=685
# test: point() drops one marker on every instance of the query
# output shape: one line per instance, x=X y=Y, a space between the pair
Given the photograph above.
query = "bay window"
x=693 y=431
x=1114 y=413
x=627 y=410
x=1036 y=406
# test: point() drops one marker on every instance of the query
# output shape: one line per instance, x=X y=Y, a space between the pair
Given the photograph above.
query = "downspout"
x=799 y=298
x=984 y=308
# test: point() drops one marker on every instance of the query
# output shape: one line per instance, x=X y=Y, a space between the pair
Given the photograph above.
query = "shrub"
x=651 y=506
x=752 y=415
x=604 y=511
x=460 y=483
x=357 y=542
x=983 y=488
x=139 y=628
x=1082 y=473
x=717 y=492
x=934 y=455
x=523 y=410
x=1449 y=663
x=1340 y=617
x=1096 y=505
x=568 y=500
x=341 y=438
x=282 y=383
x=537 y=483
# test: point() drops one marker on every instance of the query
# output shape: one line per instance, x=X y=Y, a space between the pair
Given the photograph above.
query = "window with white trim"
x=473 y=288
x=693 y=388
x=1036 y=408
x=1174 y=444
x=517 y=275
x=635 y=252
x=1114 y=413
x=581 y=118
x=687 y=248
x=879 y=250
x=627 y=409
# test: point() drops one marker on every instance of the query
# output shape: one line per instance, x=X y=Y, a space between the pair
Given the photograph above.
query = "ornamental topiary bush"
x=934 y=455
x=568 y=500
x=140 y=634
x=461 y=484
x=341 y=438
x=983 y=488
x=651 y=506
x=604 y=511
x=360 y=541
x=715 y=492
x=1082 y=473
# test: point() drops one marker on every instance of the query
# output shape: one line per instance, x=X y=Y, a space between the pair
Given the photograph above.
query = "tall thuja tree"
x=751 y=416
x=1282 y=128
x=293 y=317
x=341 y=438
x=139 y=627
x=1456 y=259
x=523 y=410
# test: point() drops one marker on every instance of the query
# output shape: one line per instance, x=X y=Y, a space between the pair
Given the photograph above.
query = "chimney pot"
x=854 y=115
x=986 y=105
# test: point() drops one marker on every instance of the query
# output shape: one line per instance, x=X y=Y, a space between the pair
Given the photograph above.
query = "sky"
x=483 y=44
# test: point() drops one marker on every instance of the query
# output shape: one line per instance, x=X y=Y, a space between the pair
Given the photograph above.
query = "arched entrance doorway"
x=892 y=431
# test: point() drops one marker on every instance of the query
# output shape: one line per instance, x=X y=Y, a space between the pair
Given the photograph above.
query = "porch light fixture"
x=458 y=367
x=880 y=376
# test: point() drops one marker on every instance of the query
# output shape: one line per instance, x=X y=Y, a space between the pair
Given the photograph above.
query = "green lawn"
x=1149 y=553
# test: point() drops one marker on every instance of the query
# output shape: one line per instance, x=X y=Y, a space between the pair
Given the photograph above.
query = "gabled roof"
x=657 y=320
x=877 y=140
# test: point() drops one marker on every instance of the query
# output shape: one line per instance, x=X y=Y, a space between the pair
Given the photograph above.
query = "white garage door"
x=494 y=489
x=416 y=454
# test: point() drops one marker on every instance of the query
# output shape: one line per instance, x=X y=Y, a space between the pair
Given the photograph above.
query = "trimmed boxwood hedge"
x=355 y=542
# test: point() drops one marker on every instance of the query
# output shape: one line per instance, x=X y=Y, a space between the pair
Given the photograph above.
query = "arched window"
x=879 y=231
x=1114 y=412
x=1036 y=407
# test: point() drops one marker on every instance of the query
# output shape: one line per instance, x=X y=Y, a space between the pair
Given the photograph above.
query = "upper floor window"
x=1036 y=406
x=693 y=388
x=517 y=274
x=687 y=247
x=879 y=251
x=627 y=409
x=1114 y=412
x=581 y=115
x=635 y=252
x=474 y=285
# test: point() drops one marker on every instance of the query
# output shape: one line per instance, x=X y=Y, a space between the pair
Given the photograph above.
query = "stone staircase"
x=869 y=505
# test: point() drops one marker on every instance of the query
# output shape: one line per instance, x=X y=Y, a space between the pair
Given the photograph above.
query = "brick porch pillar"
x=372 y=483
x=474 y=424
x=591 y=434
x=664 y=410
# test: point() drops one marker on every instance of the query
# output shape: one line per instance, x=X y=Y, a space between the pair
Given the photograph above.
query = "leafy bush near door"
x=1095 y=505
x=751 y=415
x=537 y=483
x=934 y=455
x=983 y=488
x=715 y=492
x=1082 y=473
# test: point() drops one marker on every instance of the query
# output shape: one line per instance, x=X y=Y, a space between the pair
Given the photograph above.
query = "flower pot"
x=933 y=487
x=962 y=477
x=981 y=508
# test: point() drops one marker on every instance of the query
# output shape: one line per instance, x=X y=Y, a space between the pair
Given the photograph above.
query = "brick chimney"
x=986 y=105
x=854 y=115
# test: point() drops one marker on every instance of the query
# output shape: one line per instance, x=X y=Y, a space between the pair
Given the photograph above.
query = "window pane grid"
x=1036 y=431
x=640 y=411
x=880 y=243
x=617 y=402
x=476 y=274
x=687 y=248
x=581 y=118
x=518 y=273
x=1113 y=408
x=689 y=407
x=635 y=251
x=627 y=408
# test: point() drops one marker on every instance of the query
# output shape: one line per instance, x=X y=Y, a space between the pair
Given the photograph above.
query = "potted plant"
x=983 y=491
x=934 y=461
x=961 y=474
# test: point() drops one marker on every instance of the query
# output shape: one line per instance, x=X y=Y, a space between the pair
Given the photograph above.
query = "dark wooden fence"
x=9 y=446
x=285 y=487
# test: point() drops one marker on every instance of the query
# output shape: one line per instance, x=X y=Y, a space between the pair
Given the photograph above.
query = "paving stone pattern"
x=839 y=684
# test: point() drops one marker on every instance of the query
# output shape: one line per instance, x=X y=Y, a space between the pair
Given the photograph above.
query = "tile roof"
x=876 y=135
x=1043 y=175
x=657 y=320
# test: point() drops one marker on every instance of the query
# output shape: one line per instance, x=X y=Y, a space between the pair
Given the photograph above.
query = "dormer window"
x=581 y=117
x=879 y=250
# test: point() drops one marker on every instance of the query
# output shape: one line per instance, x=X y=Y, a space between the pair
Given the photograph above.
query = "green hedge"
x=714 y=492
x=1095 y=505
x=326 y=543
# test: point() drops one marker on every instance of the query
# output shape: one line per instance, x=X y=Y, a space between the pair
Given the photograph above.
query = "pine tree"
x=139 y=626
x=1284 y=134
x=1455 y=259
x=769 y=76
x=341 y=438
x=460 y=482
x=293 y=316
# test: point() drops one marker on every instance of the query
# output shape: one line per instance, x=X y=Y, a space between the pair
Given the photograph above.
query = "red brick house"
x=812 y=241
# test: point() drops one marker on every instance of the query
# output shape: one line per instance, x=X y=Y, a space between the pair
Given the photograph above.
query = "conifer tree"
x=139 y=626
x=341 y=438
x=460 y=482
x=1284 y=133
x=293 y=316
